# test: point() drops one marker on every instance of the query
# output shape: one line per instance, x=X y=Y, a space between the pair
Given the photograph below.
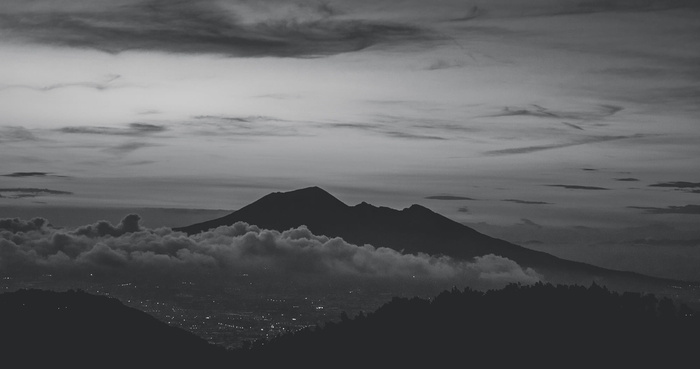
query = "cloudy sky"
x=522 y=119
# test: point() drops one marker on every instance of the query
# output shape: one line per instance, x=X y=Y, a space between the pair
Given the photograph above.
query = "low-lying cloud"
x=34 y=247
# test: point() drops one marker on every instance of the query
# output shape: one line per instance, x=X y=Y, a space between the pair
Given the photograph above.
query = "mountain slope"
x=42 y=328
x=412 y=230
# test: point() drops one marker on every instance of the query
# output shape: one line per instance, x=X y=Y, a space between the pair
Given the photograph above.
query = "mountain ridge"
x=412 y=230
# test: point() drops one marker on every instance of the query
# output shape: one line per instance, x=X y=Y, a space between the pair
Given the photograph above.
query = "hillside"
x=74 y=328
x=530 y=326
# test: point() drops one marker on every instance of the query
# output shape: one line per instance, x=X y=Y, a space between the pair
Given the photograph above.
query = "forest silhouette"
x=541 y=325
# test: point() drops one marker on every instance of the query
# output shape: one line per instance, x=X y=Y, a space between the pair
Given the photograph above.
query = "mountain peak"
x=309 y=197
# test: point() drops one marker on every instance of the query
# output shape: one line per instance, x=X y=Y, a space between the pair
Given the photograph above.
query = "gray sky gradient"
x=211 y=104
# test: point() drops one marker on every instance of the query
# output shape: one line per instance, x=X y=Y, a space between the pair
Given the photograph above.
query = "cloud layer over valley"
x=129 y=252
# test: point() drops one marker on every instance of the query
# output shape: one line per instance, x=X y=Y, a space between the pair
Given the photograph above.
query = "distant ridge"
x=412 y=230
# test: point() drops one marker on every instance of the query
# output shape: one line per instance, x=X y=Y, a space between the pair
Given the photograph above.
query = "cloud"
x=602 y=111
x=16 y=134
x=100 y=86
x=527 y=202
x=685 y=209
x=30 y=174
x=572 y=126
x=577 y=187
x=627 y=179
x=128 y=147
x=31 y=247
x=448 y=197
x=134 y=129
x=21 y=192
x=26 y=174
x=248 y=126
x=206 y=26
x=463 y=209
x=387 y=127
x=678 y=185
x=15 y=225
x=576 y=142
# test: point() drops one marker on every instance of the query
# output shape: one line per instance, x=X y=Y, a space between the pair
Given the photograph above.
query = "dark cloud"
x=572 y=126
x=127 y=248
x=15 y=225
x=527 y=202
x=463 y=209
x=448 y=197
x=627 y=179
x=26 y=174
x=680 y=185
x=134 y=129
x=204 y=26
x=685 y=209
x=18 y=193
x=602 y=111
x=576 y=142
x=16 y=134
x=589 y=169
x=577 y=187
x=413 y=136
x=130 y=223
x=30 y=174
x=128 y=147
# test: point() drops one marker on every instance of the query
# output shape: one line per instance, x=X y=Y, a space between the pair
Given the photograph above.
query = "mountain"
x=75 y=329
x=416 y=229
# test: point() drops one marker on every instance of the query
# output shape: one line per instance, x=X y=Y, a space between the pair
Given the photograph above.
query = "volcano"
x=417 y=229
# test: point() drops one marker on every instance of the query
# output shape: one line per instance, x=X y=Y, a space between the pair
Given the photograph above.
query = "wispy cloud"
x=21 y=192
x=128 y=147
x=525 y=202
x=577 y=187
x=134 y=129
x=602 y=111
x=100 y=86
x=258 y=125
x=448 y=197
x=576 y=142
x=679 y=184
x=685 y=209
x=30 y=174
x=204 y=26
x=628 y=179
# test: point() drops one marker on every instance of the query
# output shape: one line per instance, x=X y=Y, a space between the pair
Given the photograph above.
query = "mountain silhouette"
x=75 y=329
x=412 y=230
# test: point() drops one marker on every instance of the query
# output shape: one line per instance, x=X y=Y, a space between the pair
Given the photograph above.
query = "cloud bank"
x=34 y=247
x=201 y=26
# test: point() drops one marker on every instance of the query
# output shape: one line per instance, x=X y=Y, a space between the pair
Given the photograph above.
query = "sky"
x=567 y=126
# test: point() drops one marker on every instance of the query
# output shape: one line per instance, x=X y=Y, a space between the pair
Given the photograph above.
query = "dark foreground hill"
x=519 y=326
x=76 y=329
x=416 y=229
